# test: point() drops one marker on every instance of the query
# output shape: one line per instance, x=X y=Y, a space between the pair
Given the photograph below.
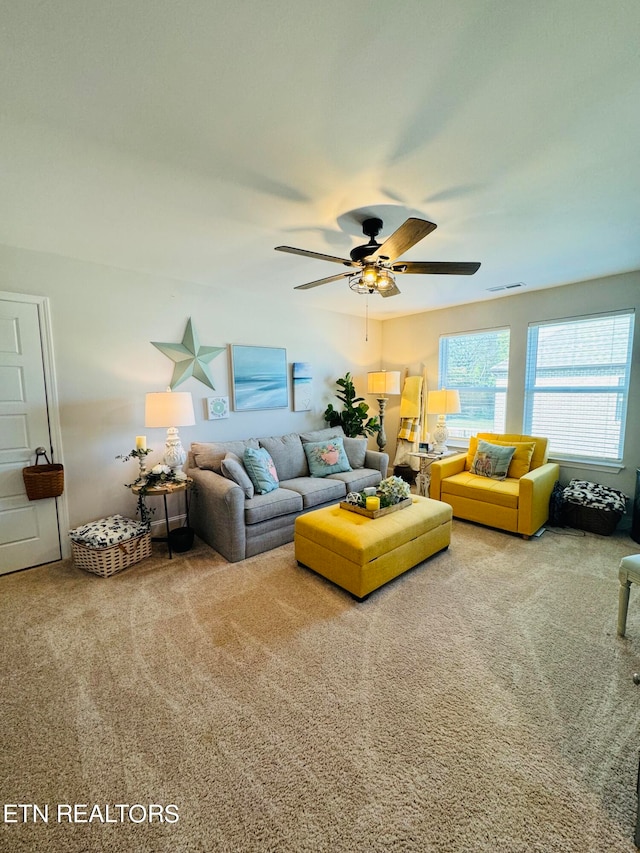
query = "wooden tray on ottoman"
x=375 y=513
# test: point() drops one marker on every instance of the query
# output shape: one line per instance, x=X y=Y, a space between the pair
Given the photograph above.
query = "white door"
x=29 y=531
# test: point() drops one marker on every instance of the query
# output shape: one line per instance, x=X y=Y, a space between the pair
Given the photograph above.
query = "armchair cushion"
x=467 y=485
x=520 y=462
x=539 y=456
x=492 y=460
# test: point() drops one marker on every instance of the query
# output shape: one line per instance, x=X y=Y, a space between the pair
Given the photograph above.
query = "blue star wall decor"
x=190 y=358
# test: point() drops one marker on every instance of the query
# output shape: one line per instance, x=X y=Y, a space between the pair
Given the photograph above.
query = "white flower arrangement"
x=390 y=491
x=393 y=490
x=159 y=475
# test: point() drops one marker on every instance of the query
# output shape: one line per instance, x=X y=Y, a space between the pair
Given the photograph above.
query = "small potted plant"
x=393 y=490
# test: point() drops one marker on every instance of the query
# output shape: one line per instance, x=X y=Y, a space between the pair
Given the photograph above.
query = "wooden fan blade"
x=437 y=267
x=322 y=281
x=406 y=236
x=389 y=291
x=318 y=255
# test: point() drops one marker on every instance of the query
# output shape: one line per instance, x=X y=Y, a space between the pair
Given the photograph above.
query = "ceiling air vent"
x=513 y=286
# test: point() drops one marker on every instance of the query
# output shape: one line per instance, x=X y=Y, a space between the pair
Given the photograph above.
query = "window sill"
x=607 y=467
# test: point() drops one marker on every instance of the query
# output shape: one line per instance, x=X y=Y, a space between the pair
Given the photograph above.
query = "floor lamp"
x=380 y=383
x=442 y=403
x=170 y=409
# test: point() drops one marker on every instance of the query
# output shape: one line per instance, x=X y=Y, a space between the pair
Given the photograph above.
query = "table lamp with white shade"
x=381 y=383
x=442 y=403
x=170 y=409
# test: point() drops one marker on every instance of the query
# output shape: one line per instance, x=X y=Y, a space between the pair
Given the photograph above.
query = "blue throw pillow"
x=326 y=457
x=492 y=460
x=261 y=470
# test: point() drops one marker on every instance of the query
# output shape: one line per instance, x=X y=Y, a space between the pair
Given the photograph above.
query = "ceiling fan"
x=375 y=263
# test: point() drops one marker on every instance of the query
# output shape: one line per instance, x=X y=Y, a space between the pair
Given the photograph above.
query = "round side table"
x=163 y=491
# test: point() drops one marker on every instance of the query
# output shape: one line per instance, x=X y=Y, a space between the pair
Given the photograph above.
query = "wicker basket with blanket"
x=109 y=545
x=592 y=507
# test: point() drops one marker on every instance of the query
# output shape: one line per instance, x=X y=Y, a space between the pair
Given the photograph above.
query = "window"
x=477 y=365
x=577 y=385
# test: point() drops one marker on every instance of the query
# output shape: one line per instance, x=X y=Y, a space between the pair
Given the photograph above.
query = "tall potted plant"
x=353 y=418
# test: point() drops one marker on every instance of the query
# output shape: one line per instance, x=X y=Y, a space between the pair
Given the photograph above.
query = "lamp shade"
x=383 y=382
x=443 y=402
x=169 y=409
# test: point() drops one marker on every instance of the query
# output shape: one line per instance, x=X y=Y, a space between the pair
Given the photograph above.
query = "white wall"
x=413 y=341
x=103 y=321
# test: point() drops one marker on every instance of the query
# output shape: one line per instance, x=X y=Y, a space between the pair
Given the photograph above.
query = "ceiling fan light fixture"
x=370 y=275
x=356 y=283
x=377 y=264
x=385 y=280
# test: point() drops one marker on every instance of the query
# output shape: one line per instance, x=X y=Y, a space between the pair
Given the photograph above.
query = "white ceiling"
x=189 y=139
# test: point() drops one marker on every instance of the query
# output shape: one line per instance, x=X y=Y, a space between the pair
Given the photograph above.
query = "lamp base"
x=381 y=437
x=440 y=435
x=174 y=453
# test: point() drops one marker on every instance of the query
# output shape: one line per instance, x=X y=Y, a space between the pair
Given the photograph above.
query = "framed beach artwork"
x=302 y=386
x=259 y=378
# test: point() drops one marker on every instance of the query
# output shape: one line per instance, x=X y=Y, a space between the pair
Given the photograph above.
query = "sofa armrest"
x=217 y=513
x=443 y=468
x=533 y=501
x=378 y=461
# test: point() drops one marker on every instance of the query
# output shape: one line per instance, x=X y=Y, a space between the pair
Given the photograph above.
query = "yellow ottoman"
x=361 y=554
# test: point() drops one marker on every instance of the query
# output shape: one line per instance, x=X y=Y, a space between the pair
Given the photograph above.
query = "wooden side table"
x=423 y=479
x=163 y=491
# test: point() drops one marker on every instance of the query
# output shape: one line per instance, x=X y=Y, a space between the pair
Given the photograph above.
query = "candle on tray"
x=373 y=503
x=141 y=442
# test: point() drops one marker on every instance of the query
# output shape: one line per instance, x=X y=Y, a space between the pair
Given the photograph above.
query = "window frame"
x=444 y=381
x=532 y=371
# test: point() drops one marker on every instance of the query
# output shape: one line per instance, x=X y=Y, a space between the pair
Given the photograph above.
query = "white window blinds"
x=577 y=385
x=476 y=364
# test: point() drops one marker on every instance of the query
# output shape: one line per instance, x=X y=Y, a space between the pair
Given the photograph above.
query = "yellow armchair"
x=519 y=503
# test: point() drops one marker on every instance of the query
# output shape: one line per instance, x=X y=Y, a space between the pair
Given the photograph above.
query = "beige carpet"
x=481 y=702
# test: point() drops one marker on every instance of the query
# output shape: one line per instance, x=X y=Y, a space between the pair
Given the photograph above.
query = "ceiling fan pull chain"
x=366 y=318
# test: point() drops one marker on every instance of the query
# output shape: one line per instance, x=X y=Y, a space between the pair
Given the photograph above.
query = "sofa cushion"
x=321 y=434
x=261 y=469
x=467 y=485
x=316 y=490
x=287 y=454
x=209 y=455
x=326 y=457
x=356 y=450
x=274 y=504
x=492 y=460
x=232 y=467
x=357 y=480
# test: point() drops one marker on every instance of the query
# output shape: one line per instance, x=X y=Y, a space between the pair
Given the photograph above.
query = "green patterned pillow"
x=492 y=460
x=326 y=457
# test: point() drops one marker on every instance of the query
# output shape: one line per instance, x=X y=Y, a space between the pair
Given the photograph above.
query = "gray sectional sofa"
x=239 y=523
